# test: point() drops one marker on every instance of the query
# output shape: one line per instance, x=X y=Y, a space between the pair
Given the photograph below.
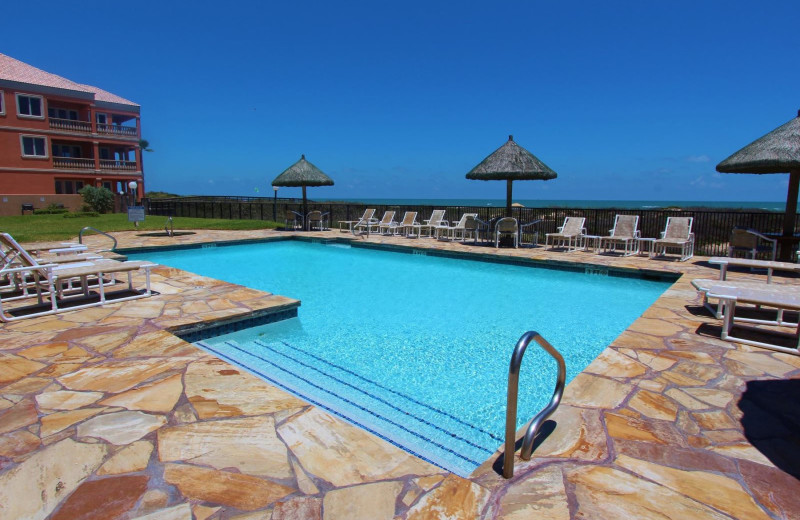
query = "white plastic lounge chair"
x=625 y=234
x=677 y=234
x=731 y=296
x=704 y=286
x=370 y=225
x=437 y=219
x=385 y=225
x=404 y=226
x=368 y=216
x=751 y=243
x=54 y=281
x=450 y=232
x=570 y=235
x=317 y=219
x=507 y=226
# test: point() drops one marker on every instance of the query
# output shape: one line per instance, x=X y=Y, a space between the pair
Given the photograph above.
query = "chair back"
x=388 y=216
x=436 y=217
x=742 y=239
x=573 y=225
x=409 y=218
x=462 y=224
x=14 y=251
x=507 y=225
x=368 y=214
x=625 y=226
x=678 y=228
x=314 y=216
x=471 y=222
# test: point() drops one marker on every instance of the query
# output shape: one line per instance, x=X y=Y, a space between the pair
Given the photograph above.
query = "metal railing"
x=712 y=228
x=90 y=228
x=511 y=404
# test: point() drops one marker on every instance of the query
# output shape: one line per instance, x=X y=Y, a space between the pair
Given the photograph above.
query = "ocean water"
x=416 y=348
x=621 y=204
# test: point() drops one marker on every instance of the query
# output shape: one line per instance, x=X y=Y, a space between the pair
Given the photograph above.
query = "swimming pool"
x=416 y=348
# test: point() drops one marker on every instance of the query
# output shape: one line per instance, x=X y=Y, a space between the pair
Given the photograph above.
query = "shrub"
x=100 y=199
x=50 y=211
x=82 y=214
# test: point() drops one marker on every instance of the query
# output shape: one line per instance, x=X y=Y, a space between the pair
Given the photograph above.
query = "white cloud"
x=698 y=158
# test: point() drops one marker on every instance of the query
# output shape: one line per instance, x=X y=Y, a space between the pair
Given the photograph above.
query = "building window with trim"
x=30 y=106
x=33 y=146
x=2 y=103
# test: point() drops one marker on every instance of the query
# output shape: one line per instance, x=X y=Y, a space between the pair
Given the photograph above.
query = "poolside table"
x=724 y=262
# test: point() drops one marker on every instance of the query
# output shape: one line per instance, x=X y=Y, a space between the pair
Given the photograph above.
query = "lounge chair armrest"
x=637 y=234
x=662 y=235
x=26 y=269
x=531 y=223
x=559 y=229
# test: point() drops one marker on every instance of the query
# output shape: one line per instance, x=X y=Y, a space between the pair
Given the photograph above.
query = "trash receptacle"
x=27 y=207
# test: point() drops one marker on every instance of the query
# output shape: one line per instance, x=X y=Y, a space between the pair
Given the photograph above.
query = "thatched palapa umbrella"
x=776 y=152
x=302 y=173
x=511 y=162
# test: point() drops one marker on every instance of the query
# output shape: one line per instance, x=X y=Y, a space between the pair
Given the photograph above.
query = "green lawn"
x=33 y=228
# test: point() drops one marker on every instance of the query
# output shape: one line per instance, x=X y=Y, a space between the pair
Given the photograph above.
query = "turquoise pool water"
x=416 y=348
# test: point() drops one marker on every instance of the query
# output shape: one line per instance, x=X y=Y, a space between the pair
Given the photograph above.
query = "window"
x=62 y=113
x=101 y=118
x=33 y=146
x=107 y=185
x=105 y=153
x=29 y=106
x=2 y=104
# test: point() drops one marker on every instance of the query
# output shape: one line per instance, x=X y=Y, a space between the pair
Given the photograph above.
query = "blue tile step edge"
x=201 y=331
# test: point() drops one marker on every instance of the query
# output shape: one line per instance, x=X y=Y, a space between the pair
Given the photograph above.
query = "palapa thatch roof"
x=776 y=152
x=302 y=173
x=511 y=162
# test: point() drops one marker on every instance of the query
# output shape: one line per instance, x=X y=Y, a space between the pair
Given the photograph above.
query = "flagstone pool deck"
x=104 y=413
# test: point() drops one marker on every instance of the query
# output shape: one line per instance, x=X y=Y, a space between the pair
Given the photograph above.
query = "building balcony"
x=71 y=125
x=119 y=130
x=73 y=163
x=117 y=165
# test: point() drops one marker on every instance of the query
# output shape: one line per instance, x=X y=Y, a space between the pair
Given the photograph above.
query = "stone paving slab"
x=104 y=413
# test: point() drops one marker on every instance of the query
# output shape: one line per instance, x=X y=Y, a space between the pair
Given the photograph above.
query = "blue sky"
x=623 y=99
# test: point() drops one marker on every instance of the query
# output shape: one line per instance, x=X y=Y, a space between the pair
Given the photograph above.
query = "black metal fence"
x=712 y=228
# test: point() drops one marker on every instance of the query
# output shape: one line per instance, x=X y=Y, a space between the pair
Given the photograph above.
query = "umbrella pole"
x=305 y=207
x=508 y=197
x=791 y=212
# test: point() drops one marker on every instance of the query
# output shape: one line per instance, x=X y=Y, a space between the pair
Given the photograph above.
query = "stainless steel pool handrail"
x=511 y=405
x=80 y=236
x=169 y=227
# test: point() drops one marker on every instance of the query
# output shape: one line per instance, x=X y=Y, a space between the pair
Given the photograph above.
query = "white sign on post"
x=135 y=213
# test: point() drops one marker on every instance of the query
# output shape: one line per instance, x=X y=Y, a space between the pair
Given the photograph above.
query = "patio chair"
x=474 y=226
x=370 y=225
x=402 y=227
x=534 y=231
x=385 y=225
x=452 y=231
x=507 y=226
x=318 y=219
x=56 y=283
x=293 y=217
x=625 y=233
x=677 y=235
x=368 y=215
x=751 y=243
x=570 y=235
x=730 y=297
x=437 y=219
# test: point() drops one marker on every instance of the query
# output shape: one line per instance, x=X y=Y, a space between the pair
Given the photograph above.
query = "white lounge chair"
x=385 y=224
x=507 y=226
x=731 y=296
x=368 y=216
x=704 y=286
x=677 y=235
x=437 y=219
x=372 y=225
x=402 y=227
x=751 y=243
x=625 y=234
x=570 y=235
x=459 y=227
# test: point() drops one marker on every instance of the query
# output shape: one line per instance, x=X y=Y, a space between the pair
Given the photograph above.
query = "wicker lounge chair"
x=507 y=226
x=436 y=220
x=451 y=232
x=570 y=235
x=677 y=235
x=730 y=297
x=369 y=215
x=625 y=234
x=402 y=227
x=751 y=243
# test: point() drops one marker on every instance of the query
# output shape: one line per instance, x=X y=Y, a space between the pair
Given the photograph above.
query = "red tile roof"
x=15 y=70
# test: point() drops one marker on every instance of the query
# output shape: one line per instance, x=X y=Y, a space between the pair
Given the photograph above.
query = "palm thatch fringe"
x=511 y=162
x=776 y=152
x=302 y=173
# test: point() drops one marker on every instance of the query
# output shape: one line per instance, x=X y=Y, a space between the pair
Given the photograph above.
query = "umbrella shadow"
x=771 y=421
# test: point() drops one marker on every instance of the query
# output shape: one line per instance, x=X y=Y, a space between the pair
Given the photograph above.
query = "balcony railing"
x=127 y=166
x=127 y=131
x=73 y=163
x=71 y=125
